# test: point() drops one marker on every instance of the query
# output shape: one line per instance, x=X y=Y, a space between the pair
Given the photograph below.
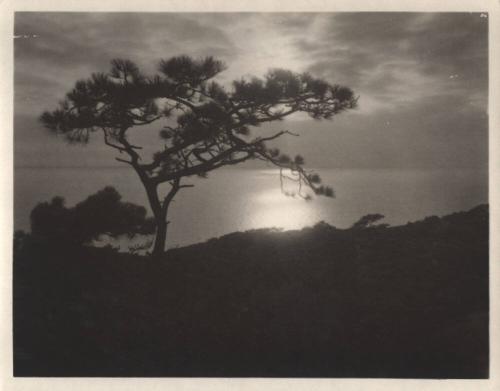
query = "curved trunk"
x=160 y=211
x=159 y=208
x=160 y=216
x=160 y=238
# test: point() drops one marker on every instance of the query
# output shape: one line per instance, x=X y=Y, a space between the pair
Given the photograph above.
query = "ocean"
x=232 y=200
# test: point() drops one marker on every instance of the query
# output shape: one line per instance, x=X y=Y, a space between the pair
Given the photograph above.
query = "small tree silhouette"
x=368 y=221
x=204 y=125
x=102 y=213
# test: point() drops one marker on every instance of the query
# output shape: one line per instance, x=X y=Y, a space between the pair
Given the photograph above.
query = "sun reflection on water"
x=273 y=209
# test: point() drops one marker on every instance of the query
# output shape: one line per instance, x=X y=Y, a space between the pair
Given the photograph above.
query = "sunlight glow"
x=274 y=209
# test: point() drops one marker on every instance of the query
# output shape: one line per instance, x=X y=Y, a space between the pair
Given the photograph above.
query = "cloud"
x=422 y=77
x=70 y=46
x=87 y=37
x=392 y=59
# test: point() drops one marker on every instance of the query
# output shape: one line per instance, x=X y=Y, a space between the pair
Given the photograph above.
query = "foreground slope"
x=407 y=301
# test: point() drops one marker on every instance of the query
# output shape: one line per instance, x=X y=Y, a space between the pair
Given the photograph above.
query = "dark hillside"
x=407 y=301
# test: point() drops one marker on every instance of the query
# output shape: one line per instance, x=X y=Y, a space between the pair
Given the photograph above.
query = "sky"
x=421 y=78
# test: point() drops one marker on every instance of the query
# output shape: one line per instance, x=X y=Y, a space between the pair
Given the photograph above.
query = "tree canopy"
x=205 y=125
x=102 y=213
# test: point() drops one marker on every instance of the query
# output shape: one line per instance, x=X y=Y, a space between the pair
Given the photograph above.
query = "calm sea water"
x=242 y=199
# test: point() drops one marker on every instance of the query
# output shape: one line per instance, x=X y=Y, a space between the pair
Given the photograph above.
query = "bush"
x=102 y=213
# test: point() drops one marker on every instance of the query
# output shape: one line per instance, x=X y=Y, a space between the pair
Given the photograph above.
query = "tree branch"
x=108 y=143
x=123 y=161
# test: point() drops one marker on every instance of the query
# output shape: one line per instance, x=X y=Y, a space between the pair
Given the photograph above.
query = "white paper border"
x=7 y=9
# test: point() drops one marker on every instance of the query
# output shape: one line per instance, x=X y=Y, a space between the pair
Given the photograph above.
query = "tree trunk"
x=158 y=208
x=160 y=238
x=160 y=211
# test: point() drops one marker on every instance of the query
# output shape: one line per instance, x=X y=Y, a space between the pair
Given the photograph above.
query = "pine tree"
x=207 y=125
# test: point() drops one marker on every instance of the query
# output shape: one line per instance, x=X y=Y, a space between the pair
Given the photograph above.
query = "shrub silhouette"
x=407 y=301
x=368 y=221
x=102 y=213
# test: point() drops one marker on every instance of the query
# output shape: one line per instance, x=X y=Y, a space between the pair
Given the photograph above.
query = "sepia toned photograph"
x=251 y=195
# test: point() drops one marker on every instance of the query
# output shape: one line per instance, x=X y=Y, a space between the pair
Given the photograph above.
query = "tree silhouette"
x=102 y=213
x=205 y=126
